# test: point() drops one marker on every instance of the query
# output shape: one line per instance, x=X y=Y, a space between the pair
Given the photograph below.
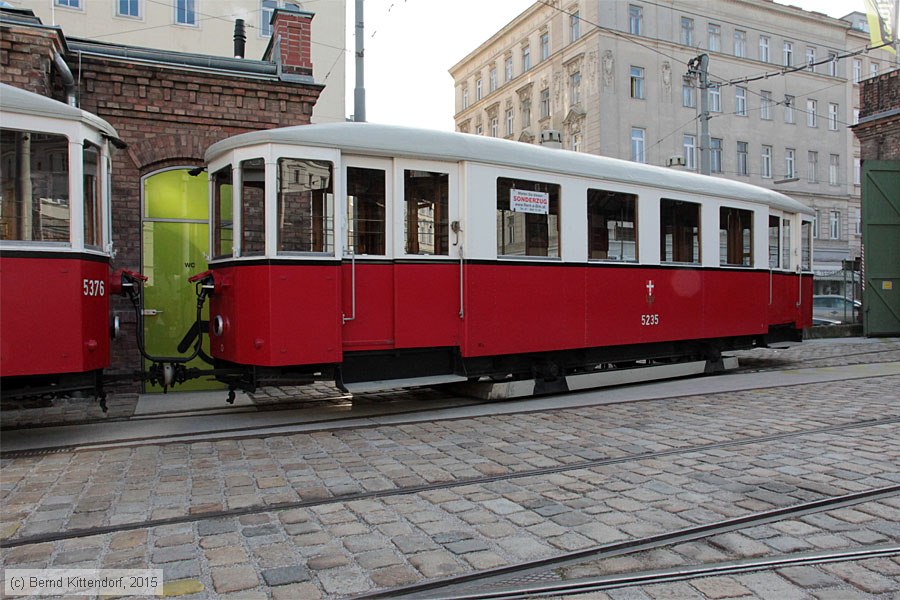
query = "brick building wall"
x=168 y=114
x=879 y=117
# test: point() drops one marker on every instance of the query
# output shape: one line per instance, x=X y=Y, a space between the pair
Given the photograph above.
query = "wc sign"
x=524 y=201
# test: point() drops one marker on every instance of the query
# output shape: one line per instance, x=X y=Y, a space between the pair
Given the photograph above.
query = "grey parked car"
x=838 y=308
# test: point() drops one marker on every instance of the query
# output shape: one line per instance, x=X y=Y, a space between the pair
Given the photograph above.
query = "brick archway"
x=165 y=150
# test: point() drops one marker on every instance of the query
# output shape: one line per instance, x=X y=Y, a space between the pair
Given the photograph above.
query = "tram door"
x=175 y=243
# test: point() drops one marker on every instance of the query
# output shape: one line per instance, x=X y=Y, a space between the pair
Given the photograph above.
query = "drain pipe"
x=68 y=80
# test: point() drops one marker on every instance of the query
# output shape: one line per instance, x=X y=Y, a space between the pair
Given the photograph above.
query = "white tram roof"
x=17 y=100
x=391 y=140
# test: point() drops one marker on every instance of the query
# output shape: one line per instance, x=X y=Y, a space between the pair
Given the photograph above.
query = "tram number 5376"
x=649 y=320
x=94 y=287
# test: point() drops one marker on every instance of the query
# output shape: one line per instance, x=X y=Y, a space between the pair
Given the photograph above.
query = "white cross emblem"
x=650 y=287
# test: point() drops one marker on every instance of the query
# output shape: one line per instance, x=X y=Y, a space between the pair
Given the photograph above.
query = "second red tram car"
x=381 y=253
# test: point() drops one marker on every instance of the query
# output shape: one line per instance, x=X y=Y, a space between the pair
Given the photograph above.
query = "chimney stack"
x=240 y=38
x=290 y=43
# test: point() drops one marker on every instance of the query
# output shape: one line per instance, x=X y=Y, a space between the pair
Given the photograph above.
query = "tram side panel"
x=789 y=290
x=54 y=315
x=734 y=303
x=278 y=314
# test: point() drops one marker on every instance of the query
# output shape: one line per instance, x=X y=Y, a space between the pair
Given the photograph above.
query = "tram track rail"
x=505 y=582
x=416 y=489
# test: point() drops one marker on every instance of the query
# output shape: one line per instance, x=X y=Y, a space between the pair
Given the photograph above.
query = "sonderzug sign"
x=525 y=201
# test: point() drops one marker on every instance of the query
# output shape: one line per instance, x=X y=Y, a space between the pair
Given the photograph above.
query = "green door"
x=881 y=246
x=175 y=244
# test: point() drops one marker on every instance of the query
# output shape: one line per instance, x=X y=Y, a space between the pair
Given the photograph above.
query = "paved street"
x=358 y=509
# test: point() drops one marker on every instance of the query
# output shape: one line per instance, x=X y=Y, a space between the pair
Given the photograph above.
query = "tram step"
x=365 y=387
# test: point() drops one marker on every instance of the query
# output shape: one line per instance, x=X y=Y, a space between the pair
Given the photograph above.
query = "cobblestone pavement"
x=334 y=546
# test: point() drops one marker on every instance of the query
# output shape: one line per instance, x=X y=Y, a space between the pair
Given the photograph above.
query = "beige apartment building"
x=611 y=77
x=207 y=27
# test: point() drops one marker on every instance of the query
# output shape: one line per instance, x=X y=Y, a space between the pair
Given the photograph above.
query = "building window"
x=526 y=112
x=479 y=129
x=789 y=163
x=812 y=119
x=766 y=164
x=679 y=228
x=69 y=3
x=788 y=109
x=735 y=237
x=857 y=70
x=815 y=225
x=715 y=37
x=715 y=155
x=185 y=12
x=575 y=143
x=509 y=122
x=764 y=48
x=526 y=58
x=855 y=116
x=492 y=80
x=810 y=59
x=266 y=7
x=765 y=105
x=495 y=127
x=531 y=210
x=687 y=31
x=715 y=98
x=545 y=46
x=426 y=198
x=743 y=163
x=788 y=54
x=635 y=19
x=873 y=69
x=740 y=43
x=688 y=98
x=857 y=171
x=637 y=145
x=508 y=69
x=812 y=166
x=637 y=82
x=612 y=231
x=834 y=224
x=479 y=89
x=690 y=151
x=545 y=103
x=833 y=64
x=575 y=88
x=740 y=101
x=574 y=26
x=465 y=98
x=834 y=166
x=832 y=116
x=128 y=8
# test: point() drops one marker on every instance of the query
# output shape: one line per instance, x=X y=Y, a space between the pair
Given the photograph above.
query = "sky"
x=411 y=44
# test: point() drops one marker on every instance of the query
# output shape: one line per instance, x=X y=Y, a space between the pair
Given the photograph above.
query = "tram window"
x=785 y=244
x=305 y=206
x=806 y=246
x=253 y=203
x=34 y=187
x=366 y=210
x=679 y=231
x=93 y=228
x=735 y=237
x=527 y=218
x=426 y=196
x=612 y=229
x=223 y=213
x=774 y=241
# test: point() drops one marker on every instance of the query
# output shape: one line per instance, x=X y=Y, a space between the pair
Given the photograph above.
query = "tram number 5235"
x=94 y=287
x=649 y=320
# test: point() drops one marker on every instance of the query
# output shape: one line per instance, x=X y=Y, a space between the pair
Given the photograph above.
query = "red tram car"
x=398 y=256
x=54 y=246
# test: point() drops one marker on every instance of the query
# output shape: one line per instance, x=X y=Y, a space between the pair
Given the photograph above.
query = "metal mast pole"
x=699 y=67
x=359 y=92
